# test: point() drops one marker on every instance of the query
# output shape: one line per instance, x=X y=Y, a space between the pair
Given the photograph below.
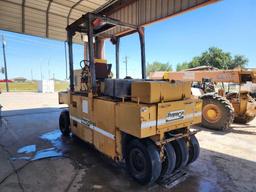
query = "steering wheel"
x=85 y=62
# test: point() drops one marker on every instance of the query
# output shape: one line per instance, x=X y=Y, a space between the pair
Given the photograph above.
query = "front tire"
x=64 y=123
x=143 y=161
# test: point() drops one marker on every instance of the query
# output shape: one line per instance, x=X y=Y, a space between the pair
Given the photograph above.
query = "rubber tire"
x=243 y=119
x=181 y=151
x=194 y=149
x=152 y=157
x=168 y=165
x=64 y=123
x=225 y=106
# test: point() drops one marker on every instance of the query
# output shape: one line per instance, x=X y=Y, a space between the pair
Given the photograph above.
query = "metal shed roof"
x=49 y=18
x=45 y=18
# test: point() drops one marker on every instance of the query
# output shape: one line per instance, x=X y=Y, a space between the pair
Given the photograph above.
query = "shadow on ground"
x=245 y=129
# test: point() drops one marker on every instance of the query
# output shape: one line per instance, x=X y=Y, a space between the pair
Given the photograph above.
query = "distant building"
x=202 y=68
x=19 y=79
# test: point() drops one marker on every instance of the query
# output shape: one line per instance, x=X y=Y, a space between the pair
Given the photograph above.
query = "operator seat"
x=102 y=69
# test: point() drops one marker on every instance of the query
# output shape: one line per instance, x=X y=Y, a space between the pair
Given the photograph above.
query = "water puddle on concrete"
x=27 y=149
x=47 y=153
x=51 y=136
x=30 y=152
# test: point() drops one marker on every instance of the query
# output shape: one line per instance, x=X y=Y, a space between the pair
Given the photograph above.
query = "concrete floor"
x=35 y=157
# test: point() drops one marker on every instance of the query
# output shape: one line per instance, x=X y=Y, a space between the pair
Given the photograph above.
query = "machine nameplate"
x=175 y=115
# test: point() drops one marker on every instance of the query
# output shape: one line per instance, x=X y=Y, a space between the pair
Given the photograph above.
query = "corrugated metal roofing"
x=49 y=18
x=44 y=18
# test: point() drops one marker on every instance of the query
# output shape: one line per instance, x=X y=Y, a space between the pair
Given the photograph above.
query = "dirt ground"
x=35 y=157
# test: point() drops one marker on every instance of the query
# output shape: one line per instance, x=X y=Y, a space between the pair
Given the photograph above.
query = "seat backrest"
x=102 y=70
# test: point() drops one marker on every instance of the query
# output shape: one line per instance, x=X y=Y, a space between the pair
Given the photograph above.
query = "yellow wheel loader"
x=223 y=106
x=144 y=123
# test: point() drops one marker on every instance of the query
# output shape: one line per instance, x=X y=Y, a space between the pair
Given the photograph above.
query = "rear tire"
x=64 y=123
x=143 y=161
x=168 y=165
x=194 y=149
x=181 y=151
x=243 y=119
x=223 y=109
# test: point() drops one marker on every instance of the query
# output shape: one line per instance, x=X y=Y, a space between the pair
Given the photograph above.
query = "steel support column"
x=143 y=55
x=47 y=18
x=23 y=16
x=91 y=53
x=70 y=54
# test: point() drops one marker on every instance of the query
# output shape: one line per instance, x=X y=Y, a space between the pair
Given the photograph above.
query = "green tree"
x=238 y=61
x=182 y=66
x=158 y=66
x=215 y=57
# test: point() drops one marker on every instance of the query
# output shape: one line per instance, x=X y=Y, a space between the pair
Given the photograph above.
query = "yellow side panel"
x=76 y=106
x=82 y=131
x=80 y=106
x=104 y=144
x=179 y=113
x=104 y=113
x=137 y=120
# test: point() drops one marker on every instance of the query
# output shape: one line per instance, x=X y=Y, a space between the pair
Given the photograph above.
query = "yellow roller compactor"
x=144 y=123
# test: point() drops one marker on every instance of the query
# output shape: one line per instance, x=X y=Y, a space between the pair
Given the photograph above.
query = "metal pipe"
x=99 y=45
x=117 y=57
x=143 y=55
x=70 y=55
x=91 y=53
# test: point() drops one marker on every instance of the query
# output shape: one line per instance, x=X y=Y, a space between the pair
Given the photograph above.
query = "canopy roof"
x=49 y=18
x=45 y=18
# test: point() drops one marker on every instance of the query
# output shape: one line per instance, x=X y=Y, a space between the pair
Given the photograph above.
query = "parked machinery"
x=145 y=123
x=229 y=104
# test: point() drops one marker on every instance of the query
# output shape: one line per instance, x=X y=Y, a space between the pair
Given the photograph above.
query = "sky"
x=229 y=25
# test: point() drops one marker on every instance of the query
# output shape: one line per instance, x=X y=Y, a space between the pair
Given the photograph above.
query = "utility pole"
x=5 y=65
x=126 y=62
x=41 y=72
x=31 y=74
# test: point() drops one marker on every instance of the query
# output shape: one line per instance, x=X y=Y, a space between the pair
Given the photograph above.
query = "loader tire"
x=64 y=123
x=181 y=151
x=169 y=162
x=243 y=119
x=218 y=112
x=194 y=149
x=143 y=161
